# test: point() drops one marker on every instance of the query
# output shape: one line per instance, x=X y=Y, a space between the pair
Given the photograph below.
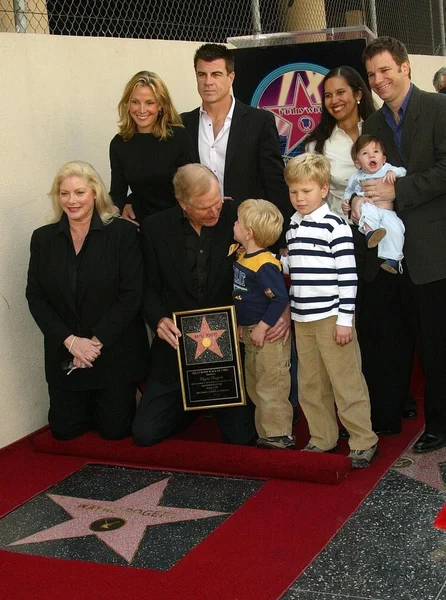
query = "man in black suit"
x=412 y=126
x=239 y=143
x=189 y=252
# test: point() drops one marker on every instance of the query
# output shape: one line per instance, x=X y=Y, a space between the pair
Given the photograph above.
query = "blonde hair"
x=78 y=168
x=167 y=117
x=308 y=166
x=263 y=218
x=190 y=180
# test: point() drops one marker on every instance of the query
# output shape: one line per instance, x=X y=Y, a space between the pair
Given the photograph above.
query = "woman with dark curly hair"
x=346 y=104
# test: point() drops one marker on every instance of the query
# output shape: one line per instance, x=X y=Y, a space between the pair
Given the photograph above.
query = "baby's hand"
x=240 y=333
x=258 y=336
x=345 y=207
x=342 y=335
x=390 y=177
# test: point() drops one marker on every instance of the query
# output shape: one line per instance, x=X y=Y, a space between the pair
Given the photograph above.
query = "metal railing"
x=420 y=24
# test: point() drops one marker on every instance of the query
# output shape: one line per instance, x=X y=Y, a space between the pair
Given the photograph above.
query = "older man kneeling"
x=189 y=265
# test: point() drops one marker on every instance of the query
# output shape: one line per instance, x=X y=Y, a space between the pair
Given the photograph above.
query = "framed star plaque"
x=209 y=358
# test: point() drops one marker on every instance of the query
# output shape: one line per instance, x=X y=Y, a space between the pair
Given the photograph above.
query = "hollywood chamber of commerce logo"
x=293 y=93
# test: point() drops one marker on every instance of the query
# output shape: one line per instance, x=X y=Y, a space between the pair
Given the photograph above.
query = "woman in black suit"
x=149 y=148
x=84 y=291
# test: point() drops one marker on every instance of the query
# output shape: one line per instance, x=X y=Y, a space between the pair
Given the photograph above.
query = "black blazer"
x=421 y=195
x=169 y=283
x=254 y=164
x=109 y=294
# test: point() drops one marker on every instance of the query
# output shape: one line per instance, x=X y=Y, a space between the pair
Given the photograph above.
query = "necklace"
x=77 y=238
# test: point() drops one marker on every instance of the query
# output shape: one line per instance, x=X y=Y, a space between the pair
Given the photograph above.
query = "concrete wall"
x=57 y=103
x=423 y=69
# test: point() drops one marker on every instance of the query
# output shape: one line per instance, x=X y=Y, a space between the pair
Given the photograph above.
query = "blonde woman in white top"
x=347 y=103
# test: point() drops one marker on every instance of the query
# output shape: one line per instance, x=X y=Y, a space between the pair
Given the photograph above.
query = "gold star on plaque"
x=207 y=339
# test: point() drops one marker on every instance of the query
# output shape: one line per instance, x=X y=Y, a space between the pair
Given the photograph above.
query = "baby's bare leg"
x=387 y=205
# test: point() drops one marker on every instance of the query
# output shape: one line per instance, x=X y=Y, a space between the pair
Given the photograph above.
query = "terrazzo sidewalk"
x=389 y=549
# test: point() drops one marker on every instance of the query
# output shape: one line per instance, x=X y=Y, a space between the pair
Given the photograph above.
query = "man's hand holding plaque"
x=168 y=331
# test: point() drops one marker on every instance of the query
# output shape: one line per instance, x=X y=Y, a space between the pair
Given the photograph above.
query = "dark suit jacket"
x=169 y=283
x=109 y=295
x=421 y=195
x=254 y=164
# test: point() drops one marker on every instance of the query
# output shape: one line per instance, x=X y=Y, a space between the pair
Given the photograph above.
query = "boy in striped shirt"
x=322 y=268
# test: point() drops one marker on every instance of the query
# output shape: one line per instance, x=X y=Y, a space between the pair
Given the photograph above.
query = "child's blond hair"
x=308 y=166
x=263 y=218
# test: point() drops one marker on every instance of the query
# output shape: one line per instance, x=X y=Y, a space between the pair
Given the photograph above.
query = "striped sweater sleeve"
x=343 y=253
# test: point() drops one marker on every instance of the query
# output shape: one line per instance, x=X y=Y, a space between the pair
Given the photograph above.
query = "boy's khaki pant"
x=268 y=382
x=330 y=374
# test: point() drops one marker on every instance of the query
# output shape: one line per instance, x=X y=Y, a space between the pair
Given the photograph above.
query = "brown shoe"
x=374 y=236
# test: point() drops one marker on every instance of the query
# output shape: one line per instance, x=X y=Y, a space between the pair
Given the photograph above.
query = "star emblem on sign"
x=206 y=339
x=301 y=115
x=120 y=524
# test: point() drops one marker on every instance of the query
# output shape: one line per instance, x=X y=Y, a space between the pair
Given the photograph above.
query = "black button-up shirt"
x=198 y=251
x=75 y=260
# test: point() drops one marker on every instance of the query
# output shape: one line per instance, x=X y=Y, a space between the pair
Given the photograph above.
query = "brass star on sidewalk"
x=206 y=339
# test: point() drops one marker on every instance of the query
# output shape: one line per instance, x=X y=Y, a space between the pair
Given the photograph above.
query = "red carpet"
x=205 y=457
x=197 y=449
x=440 y=521
x=254 y=555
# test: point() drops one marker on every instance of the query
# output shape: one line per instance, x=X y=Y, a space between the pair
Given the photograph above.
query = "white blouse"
x=338 y=149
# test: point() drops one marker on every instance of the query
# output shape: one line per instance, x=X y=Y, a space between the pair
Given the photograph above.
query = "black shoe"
x=409 y=413
x=388 y=432
x=428 y=442
x=343 y=434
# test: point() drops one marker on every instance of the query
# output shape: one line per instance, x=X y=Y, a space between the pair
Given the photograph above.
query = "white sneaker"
x=312 y=448
x=362 y=458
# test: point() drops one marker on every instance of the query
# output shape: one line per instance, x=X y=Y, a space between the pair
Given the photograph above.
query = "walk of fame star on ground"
x=138 y=510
